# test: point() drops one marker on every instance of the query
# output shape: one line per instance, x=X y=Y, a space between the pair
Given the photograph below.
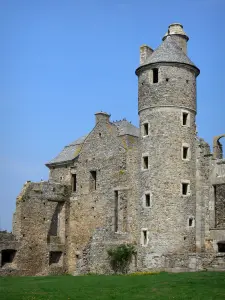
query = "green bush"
x=120 y=257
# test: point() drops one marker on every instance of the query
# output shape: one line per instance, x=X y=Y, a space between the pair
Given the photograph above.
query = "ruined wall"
x=41 y=228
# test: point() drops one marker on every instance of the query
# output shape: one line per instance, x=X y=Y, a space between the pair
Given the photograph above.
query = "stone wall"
x=94 y=208
x=220 y=205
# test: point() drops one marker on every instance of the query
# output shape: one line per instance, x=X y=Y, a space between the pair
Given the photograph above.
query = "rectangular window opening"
x=145 y=126
x=147 y=200
x=185 y=119
x=8 y=256
x=221 y=246
x=190 y=222
x=155 y=75
x=185 y=152
x=185 y=188
x=116 y=199
x=93 y=180
x=145 y=162
x=74 y=182
x=54 y=257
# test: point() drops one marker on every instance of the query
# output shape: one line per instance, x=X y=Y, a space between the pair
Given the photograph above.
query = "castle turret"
x=167 y=109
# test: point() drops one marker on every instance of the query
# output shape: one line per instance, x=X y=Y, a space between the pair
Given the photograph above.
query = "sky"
x=62 y=61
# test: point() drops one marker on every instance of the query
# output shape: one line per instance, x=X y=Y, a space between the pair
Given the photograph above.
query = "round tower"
x=167 y=110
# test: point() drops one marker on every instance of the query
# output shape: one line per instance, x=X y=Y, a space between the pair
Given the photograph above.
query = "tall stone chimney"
x=102 y=117
x=176 y=31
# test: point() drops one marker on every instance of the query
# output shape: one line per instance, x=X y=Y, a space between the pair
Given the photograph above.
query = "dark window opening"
x=185 y=152
x=100 y=135
x=54 y=257
x=221 y=246
x=155 y=75
x=116 y=199
x=93 y=180
x=167 y=79
x=8 y=256
x=145 y=128
x=185 y=118
x=187 y=81
x=184 y=188
x=145 y=162
x=74 y=182
x=147 y=200
x=190 y=222
x=144 y=237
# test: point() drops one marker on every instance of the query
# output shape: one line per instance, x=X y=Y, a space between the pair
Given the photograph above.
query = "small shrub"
x=120 y=258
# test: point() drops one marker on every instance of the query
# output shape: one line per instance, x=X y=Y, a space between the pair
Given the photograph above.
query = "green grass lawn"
x=202 y=285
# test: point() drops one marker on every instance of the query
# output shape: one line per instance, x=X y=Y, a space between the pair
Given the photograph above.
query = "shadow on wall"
x=55 y=221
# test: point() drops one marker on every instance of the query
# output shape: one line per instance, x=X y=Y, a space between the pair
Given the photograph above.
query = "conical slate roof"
x=169 y=51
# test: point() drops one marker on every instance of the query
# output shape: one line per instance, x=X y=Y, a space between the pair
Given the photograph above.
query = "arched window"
x=219 y=146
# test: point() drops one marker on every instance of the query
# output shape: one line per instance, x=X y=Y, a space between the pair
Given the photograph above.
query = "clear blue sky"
x=61 y=61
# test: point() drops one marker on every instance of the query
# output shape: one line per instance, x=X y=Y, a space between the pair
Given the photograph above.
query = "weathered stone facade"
x=158 y=186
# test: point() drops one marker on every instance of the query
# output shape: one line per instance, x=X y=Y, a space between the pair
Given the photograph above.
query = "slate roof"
x=69 y=152
x=169 y=51
x=72 y=150
x=125 y=127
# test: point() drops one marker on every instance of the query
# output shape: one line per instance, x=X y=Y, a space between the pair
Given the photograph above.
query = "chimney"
x=102 y=117
x=176 y=31
x=145 y=53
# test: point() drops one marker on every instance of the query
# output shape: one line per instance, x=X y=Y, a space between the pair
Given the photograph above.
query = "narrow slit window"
x=185 y=119
x=155 y=75
x=144 y=237
x=74 y=182
x=145 y=162
x=185 y=152
x=145 y=127
x=116 y=199
x=147 y=200
x=93 y=180
x=185 y=187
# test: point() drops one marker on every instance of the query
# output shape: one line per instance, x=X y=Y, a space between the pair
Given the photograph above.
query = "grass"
x=202 y=285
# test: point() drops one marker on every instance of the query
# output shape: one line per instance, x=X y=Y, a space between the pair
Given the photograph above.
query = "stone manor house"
x=158 y=187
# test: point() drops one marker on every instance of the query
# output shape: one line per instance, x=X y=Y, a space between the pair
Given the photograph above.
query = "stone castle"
x=157 y=187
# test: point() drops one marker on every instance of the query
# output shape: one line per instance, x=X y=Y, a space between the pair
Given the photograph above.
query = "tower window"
x=74 y=182
x=145 y=162
x=185 y=117
x=191 y=222
x=185 y=152
x=185 y=188
x=155 y=75
x=145 y=129
x=147 y=200
x=144 y=237
x=93 y=180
